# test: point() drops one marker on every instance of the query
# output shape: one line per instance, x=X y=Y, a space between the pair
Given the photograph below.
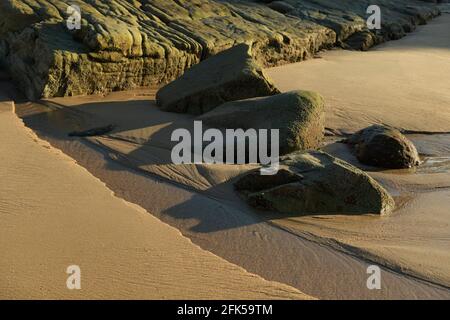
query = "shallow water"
x=435 y=165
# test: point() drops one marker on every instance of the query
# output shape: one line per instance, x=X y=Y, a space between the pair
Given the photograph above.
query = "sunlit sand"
x=402 y=83
x=55 y=214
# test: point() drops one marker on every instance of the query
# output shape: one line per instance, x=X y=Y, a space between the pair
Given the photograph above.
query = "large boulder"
x=385 y=147
x=299 y=115
x=230 y=75
x=315 y=183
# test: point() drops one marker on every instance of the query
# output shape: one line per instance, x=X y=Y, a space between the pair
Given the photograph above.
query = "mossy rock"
x=315 y=183
x=384 y=147
x=298 y=115
x=231 y=75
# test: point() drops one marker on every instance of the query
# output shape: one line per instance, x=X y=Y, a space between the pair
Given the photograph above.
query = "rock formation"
x=230 y=75
x=315 y=183
x=123 y=44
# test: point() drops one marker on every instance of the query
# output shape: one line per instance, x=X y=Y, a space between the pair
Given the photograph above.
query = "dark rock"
x=299 y=115
x=363 y=40
x=228 y=76
x=385 y=147
x=315 y=183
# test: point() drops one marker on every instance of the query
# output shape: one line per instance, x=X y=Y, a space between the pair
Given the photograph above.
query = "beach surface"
x=55 y=214
x=401 y=83
x=404 y=84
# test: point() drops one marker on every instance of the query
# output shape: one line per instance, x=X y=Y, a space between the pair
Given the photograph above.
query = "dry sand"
x=402 y=83
x=324 y=257
x=53 y=214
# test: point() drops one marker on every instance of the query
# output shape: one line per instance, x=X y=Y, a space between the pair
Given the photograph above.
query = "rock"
x=4 y=76
x=281 y=6
x=124 y=44
x=230 y=75
x=315 y=183
x=384 y=147
x=299 y=115
x=363 y=40
x=394 y=31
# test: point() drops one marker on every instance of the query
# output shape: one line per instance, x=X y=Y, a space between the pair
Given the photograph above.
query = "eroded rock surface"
x=124 y=44
x=315 y=183
x=299 y=116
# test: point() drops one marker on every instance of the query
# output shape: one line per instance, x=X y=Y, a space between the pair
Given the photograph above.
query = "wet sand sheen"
x=54 y=214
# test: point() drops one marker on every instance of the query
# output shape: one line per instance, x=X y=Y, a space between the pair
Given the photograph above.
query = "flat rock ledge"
x=124 y=44
x=315 y=183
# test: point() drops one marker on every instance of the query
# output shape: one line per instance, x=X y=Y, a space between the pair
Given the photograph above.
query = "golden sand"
x=54 y=214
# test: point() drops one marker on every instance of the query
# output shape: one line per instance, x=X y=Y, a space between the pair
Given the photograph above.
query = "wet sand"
x=415 y=238
x=54 y=214
x=324 y=257
x=199 y=200
x=404 y=84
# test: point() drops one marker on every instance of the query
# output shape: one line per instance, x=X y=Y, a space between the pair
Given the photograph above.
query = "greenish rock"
x=363 y=40
x=299 y=116
x=230 y=75
x=384 y=147
x=124 y=44
x=315 y=183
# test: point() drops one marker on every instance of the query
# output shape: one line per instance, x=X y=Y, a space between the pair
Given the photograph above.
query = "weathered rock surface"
x=315 y=183
x=384 y=147
x=281 y=6
x=362 y=40
x=299 y=115
x=124 y=44
x=230 y=75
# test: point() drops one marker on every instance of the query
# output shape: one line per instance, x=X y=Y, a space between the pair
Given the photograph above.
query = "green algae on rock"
x=315 y=183
x=125 y=44
x=230 y=75
x=298 y=115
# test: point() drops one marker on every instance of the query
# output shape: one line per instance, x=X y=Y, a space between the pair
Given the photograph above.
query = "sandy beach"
x=403 y=84
x=141 y=227
x=325 y=257
x=400 y=83
x=55 y=214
